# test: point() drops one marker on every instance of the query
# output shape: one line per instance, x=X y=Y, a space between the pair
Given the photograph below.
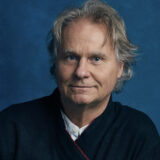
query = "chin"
x=81 y=100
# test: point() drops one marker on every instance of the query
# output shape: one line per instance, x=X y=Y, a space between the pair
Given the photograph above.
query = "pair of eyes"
x=75 y=58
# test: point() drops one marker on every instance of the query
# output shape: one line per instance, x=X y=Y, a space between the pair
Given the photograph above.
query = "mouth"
x=80 y=86
x=81 y=89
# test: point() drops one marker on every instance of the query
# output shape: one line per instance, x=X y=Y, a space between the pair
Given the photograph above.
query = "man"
x=93 y=58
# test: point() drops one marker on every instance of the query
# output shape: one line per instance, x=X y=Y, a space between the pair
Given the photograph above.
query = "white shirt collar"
x=72 y=129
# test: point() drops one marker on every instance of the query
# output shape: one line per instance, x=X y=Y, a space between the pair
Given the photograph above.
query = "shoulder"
x=140 y=129
x=27 y=111
x=29 y=121
x=135 y=121
x=132 y=115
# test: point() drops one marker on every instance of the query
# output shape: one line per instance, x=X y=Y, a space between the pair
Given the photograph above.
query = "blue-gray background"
x=24 y=60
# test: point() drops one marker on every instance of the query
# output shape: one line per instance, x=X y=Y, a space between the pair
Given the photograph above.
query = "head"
x=97 y=12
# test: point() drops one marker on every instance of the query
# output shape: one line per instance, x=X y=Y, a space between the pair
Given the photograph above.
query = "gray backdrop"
x=24 y=60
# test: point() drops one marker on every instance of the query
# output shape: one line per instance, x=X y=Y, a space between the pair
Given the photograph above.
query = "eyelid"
x=97 y=56
x=69 y=53
x=71 y=56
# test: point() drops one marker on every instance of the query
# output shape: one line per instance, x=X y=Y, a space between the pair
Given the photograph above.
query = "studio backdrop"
x=25 y=62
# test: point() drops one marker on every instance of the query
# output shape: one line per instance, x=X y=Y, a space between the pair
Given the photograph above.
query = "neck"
x=83 y=114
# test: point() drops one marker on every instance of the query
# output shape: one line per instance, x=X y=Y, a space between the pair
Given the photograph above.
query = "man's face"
x=87 y=69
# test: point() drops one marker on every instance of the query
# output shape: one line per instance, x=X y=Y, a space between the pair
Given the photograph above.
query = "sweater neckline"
x=97 y=123
x=96 y=128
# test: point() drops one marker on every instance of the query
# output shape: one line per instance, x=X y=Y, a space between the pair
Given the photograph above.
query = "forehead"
x=85 y=29
x=85 y=37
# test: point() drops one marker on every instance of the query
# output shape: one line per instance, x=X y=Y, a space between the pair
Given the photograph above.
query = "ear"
x=120 y=70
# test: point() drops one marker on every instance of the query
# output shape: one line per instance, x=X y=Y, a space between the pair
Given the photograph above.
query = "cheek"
x=107 y=77
x=64 y=72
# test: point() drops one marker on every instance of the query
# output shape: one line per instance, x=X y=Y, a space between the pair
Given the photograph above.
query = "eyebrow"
x=68 y=51
x=98 y=54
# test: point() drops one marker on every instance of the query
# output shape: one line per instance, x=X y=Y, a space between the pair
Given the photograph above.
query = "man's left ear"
x=121 y=66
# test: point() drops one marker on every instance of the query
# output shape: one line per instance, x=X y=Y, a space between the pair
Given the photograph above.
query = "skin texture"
x=87 y=70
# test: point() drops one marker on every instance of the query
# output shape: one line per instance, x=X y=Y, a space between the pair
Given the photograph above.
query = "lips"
x=81 y=86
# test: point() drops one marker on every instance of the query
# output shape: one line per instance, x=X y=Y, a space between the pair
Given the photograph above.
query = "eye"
x=96 y=59
x=71 y=57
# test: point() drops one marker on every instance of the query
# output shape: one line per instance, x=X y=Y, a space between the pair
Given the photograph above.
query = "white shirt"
x=72 y=129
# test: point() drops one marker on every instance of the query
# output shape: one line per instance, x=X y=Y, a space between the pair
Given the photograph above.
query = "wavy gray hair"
x=98 y=12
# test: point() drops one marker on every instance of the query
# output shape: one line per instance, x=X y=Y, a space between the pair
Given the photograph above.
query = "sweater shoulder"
x=135 y=120
x=140 y=129
x=130 y=113
x=26 y=111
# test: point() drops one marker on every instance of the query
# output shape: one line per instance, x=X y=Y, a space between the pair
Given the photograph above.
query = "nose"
x=82 y=70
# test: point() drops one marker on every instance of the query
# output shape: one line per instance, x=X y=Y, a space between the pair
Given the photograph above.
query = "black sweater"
x=35 y=131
